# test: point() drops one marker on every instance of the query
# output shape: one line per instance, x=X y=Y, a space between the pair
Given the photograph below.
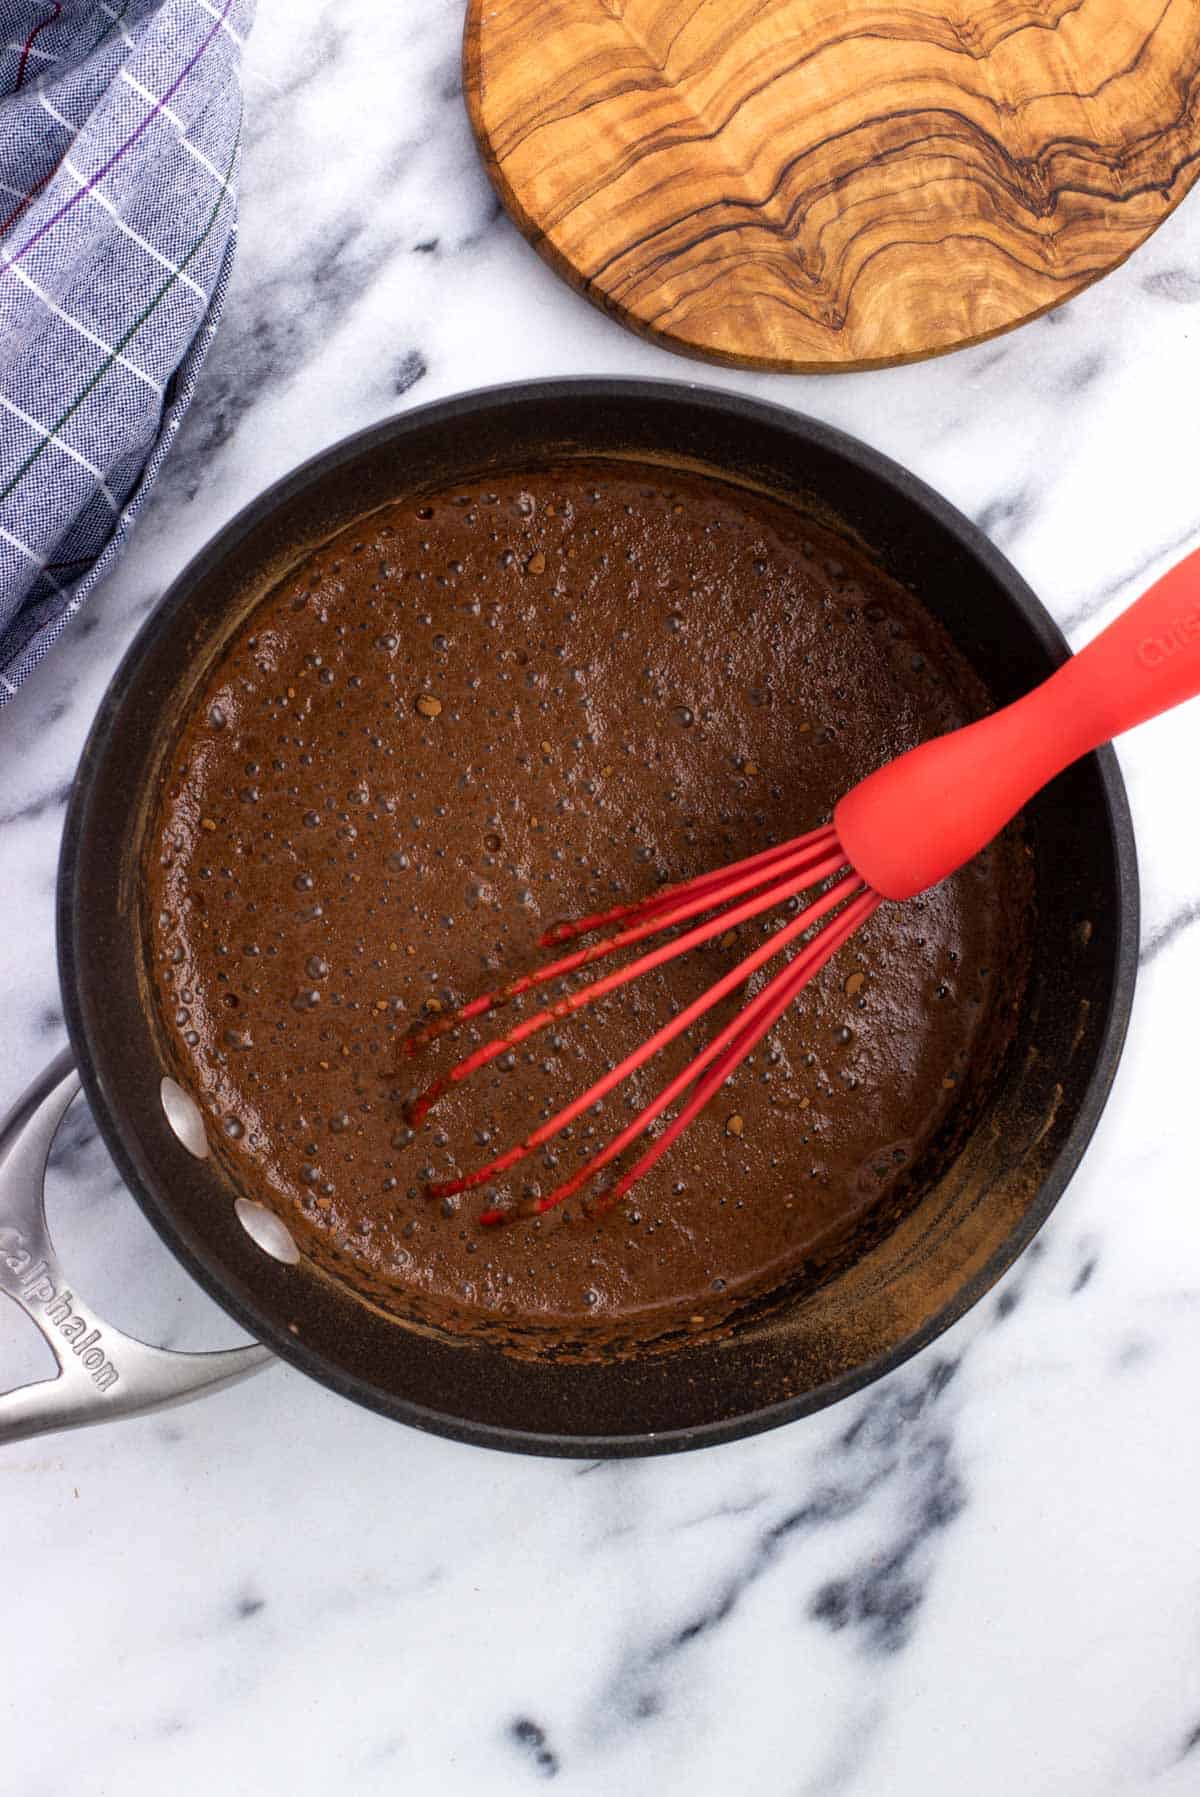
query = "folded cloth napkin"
x=119 y=133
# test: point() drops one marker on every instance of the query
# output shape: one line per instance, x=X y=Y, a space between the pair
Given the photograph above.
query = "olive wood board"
x=813 y=185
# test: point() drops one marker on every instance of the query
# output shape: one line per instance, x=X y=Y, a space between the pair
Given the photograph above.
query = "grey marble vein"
x=1004 y=518
x=889 y=1440
x=1179 y=285
x=530 y=1737
x=1130 y=578
x=36 y=807
x=1170 y=930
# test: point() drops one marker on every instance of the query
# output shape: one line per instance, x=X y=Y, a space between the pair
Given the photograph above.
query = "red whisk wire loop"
x=600 y=988
x=755 y=1023
x=648 y=1049
x=770 y=1004
x=815 y=841
x=839 y=902
x=800 y=861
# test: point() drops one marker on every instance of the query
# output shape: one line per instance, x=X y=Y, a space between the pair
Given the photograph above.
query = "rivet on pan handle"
x=103 y=1373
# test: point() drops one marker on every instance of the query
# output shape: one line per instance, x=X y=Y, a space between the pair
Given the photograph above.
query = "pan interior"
x=920 y=1260
x=482 y=708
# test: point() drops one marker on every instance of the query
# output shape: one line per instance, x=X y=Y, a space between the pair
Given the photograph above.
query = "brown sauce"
x=472 y=714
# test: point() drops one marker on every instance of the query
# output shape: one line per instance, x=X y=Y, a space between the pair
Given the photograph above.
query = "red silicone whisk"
x=901 y=830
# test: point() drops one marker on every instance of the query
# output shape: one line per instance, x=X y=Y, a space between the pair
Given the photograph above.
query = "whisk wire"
x=847 y=897
x=671 y=906
x=736 y=1039
x=815 y=842
x=756 y=1021
x=763 y=900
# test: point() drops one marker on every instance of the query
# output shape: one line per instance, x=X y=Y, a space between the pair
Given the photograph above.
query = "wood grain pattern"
x=833 y=184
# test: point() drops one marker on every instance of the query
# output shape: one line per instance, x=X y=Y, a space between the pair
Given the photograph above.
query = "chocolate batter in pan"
x=481 y=710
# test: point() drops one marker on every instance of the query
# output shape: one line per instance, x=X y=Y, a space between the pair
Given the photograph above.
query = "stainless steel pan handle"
x=103 y=1373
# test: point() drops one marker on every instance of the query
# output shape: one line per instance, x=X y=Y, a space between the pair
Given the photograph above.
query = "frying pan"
x=906 y=1282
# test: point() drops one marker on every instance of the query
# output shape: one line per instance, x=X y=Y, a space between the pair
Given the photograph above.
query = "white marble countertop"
x=273 y=1591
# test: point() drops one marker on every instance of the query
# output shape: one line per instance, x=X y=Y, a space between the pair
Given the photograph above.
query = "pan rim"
x=268 y=1328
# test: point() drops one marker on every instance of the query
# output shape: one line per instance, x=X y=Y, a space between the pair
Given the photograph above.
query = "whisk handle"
x=924 y=815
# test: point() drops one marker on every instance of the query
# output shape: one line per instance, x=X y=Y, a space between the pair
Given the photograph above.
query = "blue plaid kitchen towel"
x=119 y=133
